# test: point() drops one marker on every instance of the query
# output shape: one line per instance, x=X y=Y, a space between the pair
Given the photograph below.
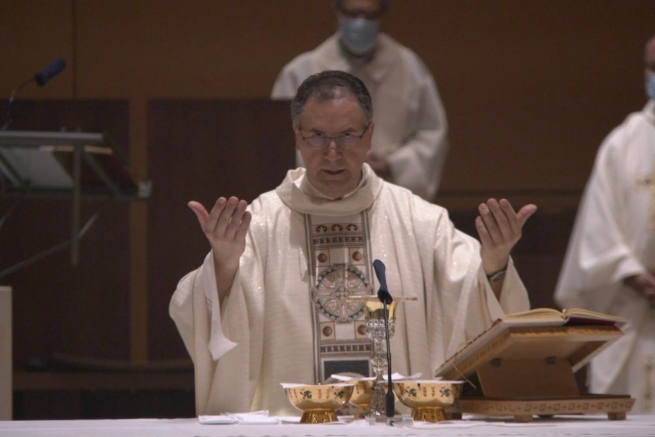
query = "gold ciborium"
x=428 y=398
x=362 y=396
x=318 y=402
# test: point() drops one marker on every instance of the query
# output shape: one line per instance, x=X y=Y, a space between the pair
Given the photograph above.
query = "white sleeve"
x=598 y=257
x=291 y=76
x=418 y=164
x=181 y=309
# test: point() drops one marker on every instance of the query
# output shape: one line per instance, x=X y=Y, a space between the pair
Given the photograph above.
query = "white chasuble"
x=613 y=238
x=286 y=318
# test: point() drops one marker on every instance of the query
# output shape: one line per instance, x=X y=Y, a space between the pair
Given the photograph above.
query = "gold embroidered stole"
x=339 y=266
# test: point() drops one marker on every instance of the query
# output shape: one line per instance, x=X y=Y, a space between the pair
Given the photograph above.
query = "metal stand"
x=19 y=180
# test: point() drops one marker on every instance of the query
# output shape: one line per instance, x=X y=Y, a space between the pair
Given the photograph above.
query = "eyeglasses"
x=319 y=141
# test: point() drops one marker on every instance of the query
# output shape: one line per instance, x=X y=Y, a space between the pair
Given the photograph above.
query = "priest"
x=268 y=305
x=610 y=262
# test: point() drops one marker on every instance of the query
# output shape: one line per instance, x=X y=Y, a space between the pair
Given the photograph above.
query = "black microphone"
x=50 y=71
x=383 y=292
x=41 y=78
x=386 y=299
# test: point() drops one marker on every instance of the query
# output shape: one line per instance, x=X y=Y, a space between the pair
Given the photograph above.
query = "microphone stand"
x=10 y=120
x=389 y=398
x=53 y=69
x=385 y=297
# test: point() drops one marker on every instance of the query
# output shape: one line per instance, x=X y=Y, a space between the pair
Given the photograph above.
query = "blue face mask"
x=650 y=85
x=359 y=35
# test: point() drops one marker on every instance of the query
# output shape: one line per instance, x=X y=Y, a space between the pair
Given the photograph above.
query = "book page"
x=537 y=316
x=581 y=316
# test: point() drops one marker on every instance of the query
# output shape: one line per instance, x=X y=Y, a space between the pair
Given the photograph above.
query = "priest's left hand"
x=500 y=229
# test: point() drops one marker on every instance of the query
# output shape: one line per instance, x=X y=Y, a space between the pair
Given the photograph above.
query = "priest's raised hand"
x=225 y=227
x=499 y=228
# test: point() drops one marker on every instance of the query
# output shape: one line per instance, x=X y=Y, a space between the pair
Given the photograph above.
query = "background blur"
x=530 y=90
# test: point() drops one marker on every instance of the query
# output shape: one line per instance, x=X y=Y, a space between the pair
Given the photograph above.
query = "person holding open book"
x=610 y=262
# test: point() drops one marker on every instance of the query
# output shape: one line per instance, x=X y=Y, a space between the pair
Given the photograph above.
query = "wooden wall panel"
x=201 y=150
x=531 y=87
x=193 y=49
x=82 y=310
x=34 y=33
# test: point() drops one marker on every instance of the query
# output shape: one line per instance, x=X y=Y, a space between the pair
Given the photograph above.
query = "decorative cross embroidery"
x=333 y=286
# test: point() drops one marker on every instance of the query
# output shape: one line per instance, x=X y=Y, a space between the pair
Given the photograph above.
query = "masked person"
x=269 y=304
x=410 y=143
x=610 y=261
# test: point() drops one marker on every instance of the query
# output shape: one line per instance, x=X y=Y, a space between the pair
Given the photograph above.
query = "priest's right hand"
x=225 y=227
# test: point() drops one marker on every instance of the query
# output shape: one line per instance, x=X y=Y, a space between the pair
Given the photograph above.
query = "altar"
x=470 y=426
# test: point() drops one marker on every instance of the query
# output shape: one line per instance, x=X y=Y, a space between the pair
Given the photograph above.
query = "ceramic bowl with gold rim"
x=428 y=398
x=318 y=402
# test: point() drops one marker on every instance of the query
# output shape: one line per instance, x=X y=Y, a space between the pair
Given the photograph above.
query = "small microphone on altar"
x=386 y=299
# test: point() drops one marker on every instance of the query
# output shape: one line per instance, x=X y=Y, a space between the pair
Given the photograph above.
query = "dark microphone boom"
x=50 y=71
x=386 y=299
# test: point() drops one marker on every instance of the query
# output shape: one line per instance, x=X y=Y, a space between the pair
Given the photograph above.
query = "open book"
x=566 y=317
x=474 y=352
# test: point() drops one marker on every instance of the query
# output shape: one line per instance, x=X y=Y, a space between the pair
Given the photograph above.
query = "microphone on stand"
x=386 y=299
x=43 y=76
x=50 y=71
x=383 y=292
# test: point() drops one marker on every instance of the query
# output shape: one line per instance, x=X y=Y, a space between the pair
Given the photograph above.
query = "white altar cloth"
x=558 y=426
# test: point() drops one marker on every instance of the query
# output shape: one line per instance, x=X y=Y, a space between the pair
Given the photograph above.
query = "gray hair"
x=329 y=85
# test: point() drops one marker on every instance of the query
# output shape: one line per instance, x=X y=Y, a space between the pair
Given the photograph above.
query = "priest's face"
x=333 y=139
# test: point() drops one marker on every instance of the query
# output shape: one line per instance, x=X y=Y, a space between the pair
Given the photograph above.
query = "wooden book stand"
x=526 y=371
